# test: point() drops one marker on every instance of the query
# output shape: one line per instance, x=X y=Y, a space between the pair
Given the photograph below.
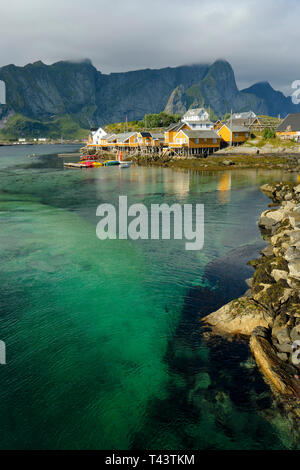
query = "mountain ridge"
x=91 y=98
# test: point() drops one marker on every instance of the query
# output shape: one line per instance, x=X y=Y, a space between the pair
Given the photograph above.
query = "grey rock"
x=285 y=348
x=294 y=268
x=284 y=357
x=268 y=251
x=283 y=336
x=295 y=333
x=228 y=162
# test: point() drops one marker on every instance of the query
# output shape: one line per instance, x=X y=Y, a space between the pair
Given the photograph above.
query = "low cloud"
x=258 y=38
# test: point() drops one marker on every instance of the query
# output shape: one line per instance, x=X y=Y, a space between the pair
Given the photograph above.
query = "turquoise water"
x=105 y=349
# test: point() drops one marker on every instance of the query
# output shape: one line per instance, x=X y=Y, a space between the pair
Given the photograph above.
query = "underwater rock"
x=274 y=369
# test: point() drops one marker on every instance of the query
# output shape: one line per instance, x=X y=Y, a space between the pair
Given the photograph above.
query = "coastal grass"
x=260 y=141
x=215 y=163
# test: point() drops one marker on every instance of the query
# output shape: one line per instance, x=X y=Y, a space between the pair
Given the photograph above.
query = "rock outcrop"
x=269 y=314
x=240 y=316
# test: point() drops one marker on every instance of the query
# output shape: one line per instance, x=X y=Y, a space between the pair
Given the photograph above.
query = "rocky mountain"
x=40 y=91
x=79 y=90
x=276 y=102
x=217 y=90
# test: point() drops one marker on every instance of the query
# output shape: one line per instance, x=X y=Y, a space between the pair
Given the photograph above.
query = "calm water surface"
x=105 y=349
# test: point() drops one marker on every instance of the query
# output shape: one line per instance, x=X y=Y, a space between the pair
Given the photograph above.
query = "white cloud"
x=259 y=38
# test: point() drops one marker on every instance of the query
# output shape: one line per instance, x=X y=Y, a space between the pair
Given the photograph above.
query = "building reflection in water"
x=224 y=187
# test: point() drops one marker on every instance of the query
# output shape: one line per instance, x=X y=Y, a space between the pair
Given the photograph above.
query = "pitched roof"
x=172 y=126
x=157 y=135
x=236 y=127
x=109 y=137
x=291 y=122
x=194 y=112
x=242 y=121
x=145 y=134
x=246 y=115
x=124 y=136
x=201 y=134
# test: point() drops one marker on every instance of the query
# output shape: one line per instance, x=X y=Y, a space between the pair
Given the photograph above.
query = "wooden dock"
x=64 y=155
x=74 y=165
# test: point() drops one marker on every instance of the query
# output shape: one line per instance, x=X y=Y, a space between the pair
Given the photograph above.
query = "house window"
x=197 y=141
x=246 y=135
x=214 y=141
x=236 y=136
x=205 y=140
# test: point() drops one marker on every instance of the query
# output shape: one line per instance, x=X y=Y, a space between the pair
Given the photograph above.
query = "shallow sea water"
x=105 y=349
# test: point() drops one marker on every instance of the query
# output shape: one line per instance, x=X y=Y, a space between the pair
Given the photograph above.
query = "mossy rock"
x=271 y=296
x=263 y=271
x=281 y=264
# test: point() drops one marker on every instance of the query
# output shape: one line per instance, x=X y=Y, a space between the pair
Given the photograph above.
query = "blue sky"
x=259 y=38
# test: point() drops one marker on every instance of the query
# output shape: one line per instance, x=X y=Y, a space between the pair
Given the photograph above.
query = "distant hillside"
x=63 y=126
x=45 y=92
x=275 y=101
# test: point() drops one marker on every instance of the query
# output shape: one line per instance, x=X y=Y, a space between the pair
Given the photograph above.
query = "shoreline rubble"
x=269 y=313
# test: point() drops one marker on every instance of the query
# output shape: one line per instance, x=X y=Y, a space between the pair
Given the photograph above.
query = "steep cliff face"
x=218 y=90
x=91 y=98
x=5 y=114
x=41 y=91
x=178 y=103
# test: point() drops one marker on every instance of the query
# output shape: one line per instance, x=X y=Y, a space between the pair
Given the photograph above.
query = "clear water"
x=105 y=349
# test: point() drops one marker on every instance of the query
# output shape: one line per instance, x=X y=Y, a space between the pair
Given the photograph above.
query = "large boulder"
x=240 y=316
x=277 y=373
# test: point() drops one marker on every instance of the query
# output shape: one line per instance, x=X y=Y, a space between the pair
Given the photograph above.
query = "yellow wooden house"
x=234 y=133
x=127 y=139
x=290 y=128
x=157 y=139
x=144 y=139
x=172 y=130
x=196 y=140
x=218 y=125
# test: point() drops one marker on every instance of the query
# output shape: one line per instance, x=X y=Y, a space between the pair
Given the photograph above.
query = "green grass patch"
x=65 y=127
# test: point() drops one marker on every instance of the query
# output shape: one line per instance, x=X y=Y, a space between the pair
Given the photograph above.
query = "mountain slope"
x=218 y=90
x=40 y=91
x=276 y=102
x=44 y=92
x=63 y=126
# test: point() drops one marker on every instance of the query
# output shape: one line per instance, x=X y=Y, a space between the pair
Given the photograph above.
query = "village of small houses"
x=195 y=135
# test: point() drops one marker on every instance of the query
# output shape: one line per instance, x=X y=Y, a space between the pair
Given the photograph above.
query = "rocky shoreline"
x=269 y=312
x=218 y=162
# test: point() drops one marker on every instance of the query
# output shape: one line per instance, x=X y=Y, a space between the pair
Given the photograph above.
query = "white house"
x=198 y=119
x=97 y=135
x=247 y=115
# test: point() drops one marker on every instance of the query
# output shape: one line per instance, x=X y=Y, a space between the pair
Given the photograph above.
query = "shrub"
x=269 y=134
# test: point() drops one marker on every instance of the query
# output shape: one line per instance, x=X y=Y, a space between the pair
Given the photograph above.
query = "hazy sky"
x=260 y=38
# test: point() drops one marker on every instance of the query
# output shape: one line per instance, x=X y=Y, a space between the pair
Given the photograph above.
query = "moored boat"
x=111 y=163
